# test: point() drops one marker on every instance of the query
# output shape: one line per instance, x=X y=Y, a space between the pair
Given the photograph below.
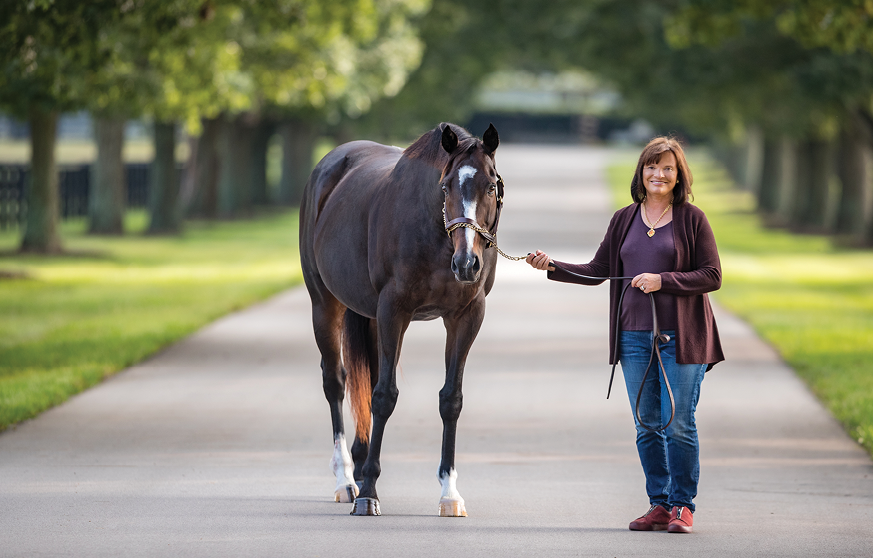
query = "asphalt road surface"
x=219 y=445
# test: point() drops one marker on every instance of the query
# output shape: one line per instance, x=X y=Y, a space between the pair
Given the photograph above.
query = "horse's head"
x=470 y=185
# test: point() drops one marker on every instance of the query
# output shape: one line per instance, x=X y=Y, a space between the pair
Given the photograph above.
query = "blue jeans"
x=670 y=458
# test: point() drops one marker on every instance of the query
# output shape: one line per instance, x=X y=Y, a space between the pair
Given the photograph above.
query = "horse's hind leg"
x=460 y=333
x=327 y=315
x=361 y=446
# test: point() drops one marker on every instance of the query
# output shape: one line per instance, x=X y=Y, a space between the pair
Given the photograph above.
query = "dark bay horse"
x=375 y=256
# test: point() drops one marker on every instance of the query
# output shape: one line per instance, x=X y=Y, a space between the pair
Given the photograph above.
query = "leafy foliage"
x=330 y=58
x=47 y=47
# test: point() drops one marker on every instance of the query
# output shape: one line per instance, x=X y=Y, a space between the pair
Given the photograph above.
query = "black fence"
x=74 y=184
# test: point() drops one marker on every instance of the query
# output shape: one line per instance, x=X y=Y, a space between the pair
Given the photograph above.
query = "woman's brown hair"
x=652 y=154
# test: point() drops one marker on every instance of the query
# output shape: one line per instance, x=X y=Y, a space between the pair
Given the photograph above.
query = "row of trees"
x=784 y=88
x=810 y=128
x=232 y=72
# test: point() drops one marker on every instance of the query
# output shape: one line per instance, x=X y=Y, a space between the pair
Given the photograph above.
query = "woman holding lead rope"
x=667 y=246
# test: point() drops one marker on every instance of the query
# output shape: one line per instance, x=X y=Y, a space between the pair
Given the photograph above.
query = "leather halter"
x=465 y=222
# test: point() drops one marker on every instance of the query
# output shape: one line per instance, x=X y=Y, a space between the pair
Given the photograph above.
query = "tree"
x=837 y=37
x=129 y=81
x=464 y=41
x=47 y=47
x=195 y=66
x=311 y=62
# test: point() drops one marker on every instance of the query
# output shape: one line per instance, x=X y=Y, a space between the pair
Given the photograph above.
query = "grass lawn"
x=68 y=322
x=811 y=300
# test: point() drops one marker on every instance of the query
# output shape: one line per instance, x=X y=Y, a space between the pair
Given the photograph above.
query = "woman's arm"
x=594 y=268
x=706 y=277
x=597 y=267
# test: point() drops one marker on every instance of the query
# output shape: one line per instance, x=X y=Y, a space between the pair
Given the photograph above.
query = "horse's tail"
x=357 y=345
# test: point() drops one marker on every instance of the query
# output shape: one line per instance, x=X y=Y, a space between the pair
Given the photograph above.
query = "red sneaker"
x=681 y=520
x=656 y=519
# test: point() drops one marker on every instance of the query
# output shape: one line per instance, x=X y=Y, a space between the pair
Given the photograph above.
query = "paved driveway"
x=219 y=445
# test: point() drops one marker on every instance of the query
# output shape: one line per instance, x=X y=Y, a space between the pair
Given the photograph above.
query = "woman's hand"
x=540 y=260
x=646 y=282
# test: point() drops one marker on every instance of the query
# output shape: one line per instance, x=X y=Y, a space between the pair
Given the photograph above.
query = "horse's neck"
x=419 y=184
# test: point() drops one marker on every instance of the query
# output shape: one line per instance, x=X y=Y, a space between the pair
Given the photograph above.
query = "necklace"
x=651 y=232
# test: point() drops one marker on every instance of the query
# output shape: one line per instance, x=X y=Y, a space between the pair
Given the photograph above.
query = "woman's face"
x=659 y=178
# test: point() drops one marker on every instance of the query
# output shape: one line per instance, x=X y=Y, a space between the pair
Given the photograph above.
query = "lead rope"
x=658 y=337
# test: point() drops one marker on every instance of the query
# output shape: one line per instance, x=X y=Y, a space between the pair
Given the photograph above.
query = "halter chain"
x=473 y=226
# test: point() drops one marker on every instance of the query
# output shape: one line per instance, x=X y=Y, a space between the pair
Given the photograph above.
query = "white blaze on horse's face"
x=466 y=173
x=467 y=258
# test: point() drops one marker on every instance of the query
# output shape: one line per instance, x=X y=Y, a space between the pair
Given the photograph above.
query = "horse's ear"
x=490 y=139
x=450 y=139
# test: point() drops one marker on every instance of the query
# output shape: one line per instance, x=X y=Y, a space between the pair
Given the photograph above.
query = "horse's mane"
x=428 y=148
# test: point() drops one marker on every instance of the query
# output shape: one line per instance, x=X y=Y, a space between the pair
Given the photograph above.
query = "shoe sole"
x=655 y=527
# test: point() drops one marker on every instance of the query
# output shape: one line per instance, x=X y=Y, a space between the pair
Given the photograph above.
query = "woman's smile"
x=660 y=177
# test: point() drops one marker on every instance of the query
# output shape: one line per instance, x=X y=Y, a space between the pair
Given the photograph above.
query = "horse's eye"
x=491 y=189
x=443 y=186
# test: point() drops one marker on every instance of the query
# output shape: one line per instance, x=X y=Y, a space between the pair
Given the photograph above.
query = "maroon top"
x=696 y=271
x=643 y=254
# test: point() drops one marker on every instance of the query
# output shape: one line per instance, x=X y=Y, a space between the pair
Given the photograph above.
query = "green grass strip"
x=810 y=300
x=68 y=322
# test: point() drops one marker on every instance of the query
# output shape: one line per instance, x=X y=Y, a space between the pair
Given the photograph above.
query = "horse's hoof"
x=452 y=508
x=345 y=494
x=366 y=506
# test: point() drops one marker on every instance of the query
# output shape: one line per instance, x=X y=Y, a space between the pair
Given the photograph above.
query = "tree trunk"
x=204 y=198
x=768 y=192
x=107 y=196
x=852 y=172
x=298 y=147
x=754 y=154
x=166 y=217
x=261 y=135
x=41 y=224
x=787 y=183
x=188 y=181
x=234 y=183
x=814 y=178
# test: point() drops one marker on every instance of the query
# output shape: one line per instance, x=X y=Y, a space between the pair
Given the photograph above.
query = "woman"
x=667 y=246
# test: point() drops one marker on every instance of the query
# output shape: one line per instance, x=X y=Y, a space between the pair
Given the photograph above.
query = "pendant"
x=651 y=233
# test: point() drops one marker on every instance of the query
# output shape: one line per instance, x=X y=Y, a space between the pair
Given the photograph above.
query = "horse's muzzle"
x=466 y=267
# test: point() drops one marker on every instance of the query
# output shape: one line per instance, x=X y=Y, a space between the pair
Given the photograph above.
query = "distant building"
x=567 y=107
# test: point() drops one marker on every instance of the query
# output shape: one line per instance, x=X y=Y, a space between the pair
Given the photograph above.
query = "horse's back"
x=333 y=167
x=334 y=219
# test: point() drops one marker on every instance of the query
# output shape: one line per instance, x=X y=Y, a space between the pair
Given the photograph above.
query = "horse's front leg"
x=391 y=324
x=461 y=330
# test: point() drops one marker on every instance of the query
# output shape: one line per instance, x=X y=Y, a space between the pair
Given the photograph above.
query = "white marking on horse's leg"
x=451 y=503
x=342 y=466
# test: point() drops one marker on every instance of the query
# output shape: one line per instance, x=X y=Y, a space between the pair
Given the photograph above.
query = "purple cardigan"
x=698 y=271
